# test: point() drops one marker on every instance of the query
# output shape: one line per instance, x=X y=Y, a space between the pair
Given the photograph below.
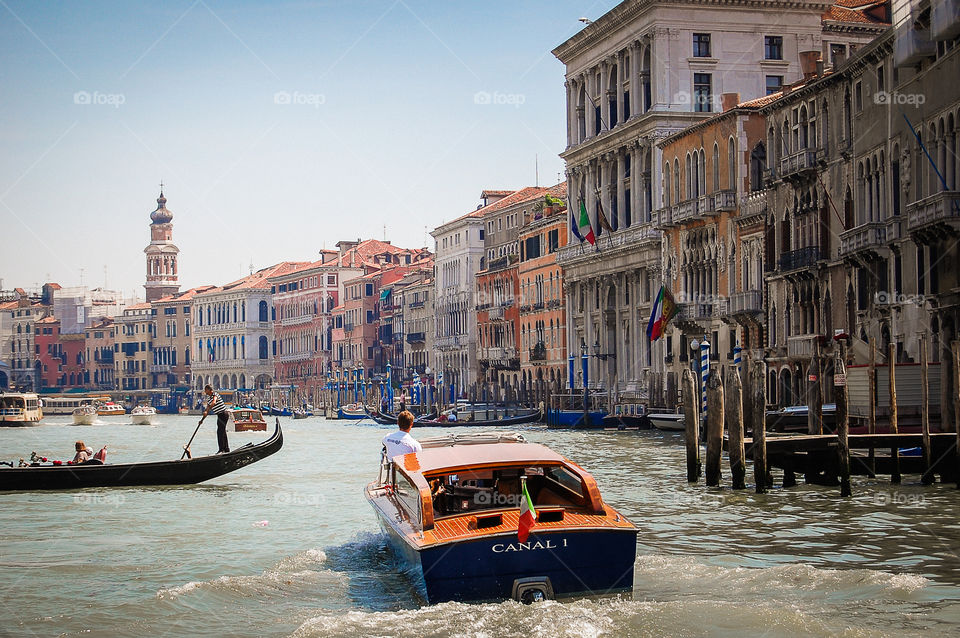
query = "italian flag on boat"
x=528 y=515
x=664 y=309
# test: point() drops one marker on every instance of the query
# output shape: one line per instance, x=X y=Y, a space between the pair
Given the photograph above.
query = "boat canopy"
x=471 y=438
x=489 y=454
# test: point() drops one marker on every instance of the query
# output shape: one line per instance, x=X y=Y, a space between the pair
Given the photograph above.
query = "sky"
x=277 y=128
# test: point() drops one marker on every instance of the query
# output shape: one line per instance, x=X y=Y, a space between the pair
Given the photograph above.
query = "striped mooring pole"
x=704 y=373
x=736 y=358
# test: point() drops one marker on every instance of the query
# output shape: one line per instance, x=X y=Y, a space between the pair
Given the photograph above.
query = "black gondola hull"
x=183 y=472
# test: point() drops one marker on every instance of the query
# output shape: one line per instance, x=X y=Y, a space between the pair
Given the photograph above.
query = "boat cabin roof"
x=452 y=458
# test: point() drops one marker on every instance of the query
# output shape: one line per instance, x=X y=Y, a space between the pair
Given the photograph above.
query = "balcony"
x=296 y=321
x=801 y=346
x=865 y=237
x=935 y=216
x=538 y=352
x=640 y=237
x=749 y=302
x=663 y=217
x=753 y=205
x=496 y=314
x=417 y=337
x=449 y=342
x=684 y=211
x=725 y=201
x=417 y=304
x=348 y=327
x=159 y=369
x=696 y=312
x=296 y=356
x=705 y=205
x=894 y=228
x=800 y=258
x=799 y=164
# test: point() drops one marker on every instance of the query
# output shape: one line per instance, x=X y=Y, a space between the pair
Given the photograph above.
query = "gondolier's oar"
x=186 y=448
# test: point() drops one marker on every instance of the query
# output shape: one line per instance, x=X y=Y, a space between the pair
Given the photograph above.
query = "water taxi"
x=247 y=420
x=452 y=513
x=143 y=415
x=110 y=408
x=85 y=415
x=19 y=408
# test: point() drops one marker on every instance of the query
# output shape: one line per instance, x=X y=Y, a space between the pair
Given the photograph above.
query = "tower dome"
x=161 y=215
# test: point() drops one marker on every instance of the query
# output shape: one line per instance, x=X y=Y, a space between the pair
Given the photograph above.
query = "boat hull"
x=355 y=416
x=183 y=472
x=574 y=418
x=667 y=422
x=577 y=562
x=84 y=419
x=143 y=419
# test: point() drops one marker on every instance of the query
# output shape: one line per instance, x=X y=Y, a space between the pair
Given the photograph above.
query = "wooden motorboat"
x=301 y=414
x=96 y=474
x=452 y=512
x=143 y=415
x=534 y=416
x=247 y=420
x=110 y=409
x=85 y=415
x=668 y=422
x=19 y=409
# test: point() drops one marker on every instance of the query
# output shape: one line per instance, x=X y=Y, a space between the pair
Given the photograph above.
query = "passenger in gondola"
x=452 y=417
x=82 y=456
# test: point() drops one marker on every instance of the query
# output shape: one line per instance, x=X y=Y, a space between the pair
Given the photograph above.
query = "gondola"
x=532 y=417
x=182 y=472
x=380 y=417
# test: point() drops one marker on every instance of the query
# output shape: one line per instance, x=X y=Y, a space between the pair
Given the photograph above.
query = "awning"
x=384 y=294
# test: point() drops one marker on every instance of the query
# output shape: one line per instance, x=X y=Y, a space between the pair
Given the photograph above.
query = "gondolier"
x=215 y=405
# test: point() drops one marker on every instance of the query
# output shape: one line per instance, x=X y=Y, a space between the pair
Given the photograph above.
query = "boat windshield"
x=499 y=489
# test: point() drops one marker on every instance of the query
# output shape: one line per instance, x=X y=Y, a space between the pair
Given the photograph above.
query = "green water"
x=288 y=546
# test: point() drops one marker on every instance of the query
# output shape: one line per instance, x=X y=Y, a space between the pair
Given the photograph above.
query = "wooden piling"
x=872 y=406
x=843 y=421
x=714 y=427
x=691 y=419
x=927 y=477
x=757 y=426
x=956 y=402
x=814 y=402
x=746 y=393
x=734 y=419
x=894 y=427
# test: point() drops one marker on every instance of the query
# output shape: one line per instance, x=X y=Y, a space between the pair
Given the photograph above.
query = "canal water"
x=289 y=547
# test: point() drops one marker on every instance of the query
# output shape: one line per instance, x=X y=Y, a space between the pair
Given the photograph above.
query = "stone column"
x=604 y=101
x=621 y=116
x=636 y=92
x=621 y=192
x=571 y=112
x=590 y=193
x=589 y=113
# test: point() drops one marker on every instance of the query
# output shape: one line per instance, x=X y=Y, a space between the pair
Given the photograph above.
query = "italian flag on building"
x=528 y=514
x=584 y=227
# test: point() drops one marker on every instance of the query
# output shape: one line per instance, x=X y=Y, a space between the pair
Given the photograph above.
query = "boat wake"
x=298 y=572
x=677 y=595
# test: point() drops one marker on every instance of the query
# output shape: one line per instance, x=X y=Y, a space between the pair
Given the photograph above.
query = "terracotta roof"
x=257 y=279
x=138 y=306
x=48 y=320
x=856 y=11
x=494 y=193
x=186 y=295
x=9 y=305
x=55 y=286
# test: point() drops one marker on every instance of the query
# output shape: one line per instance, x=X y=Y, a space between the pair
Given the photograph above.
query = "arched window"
x=701 y=175
x=263 y=345
x=758 y=161
x=716 y=167
x=264 y=316
x=732 y=164
x=688 y=177
x=676 y=181
x=667 y=183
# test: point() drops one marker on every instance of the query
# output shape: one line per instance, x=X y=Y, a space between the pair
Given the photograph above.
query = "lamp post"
x=339 y=399
x=586 y=382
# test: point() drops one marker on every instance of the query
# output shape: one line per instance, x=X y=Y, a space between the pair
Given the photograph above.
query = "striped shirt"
x=216 y=404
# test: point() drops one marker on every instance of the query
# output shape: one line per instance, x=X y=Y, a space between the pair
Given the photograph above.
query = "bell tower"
x=162 y=277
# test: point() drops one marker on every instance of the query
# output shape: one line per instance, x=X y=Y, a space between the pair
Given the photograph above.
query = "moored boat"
x=452 y=512
x=575 y=418
x=19 y=409
x=301 y=414
x=247 y=420
x=143 y=415
x=668 y=422
x=354 y=411
x=85 y=415
x=97 y=474
x=533 y=416
x=110 y=408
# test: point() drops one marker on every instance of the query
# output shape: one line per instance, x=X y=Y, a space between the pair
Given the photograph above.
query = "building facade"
x=173 y=344
x=415 y=299
x=542 y=306
x=233 y=332
x=100 y=356
x=133 y=349
x=642 y=71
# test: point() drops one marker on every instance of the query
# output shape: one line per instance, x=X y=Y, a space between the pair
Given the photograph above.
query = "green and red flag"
x=584 y=228
x=664 y=309
x=528 y=514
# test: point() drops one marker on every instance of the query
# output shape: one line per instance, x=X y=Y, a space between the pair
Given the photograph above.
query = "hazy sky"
x=277 y=128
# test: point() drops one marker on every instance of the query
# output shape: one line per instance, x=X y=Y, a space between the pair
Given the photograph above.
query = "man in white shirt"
x=400 y=442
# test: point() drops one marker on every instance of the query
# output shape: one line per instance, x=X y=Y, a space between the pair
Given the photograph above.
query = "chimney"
x=808 y=63
x=729 y=101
